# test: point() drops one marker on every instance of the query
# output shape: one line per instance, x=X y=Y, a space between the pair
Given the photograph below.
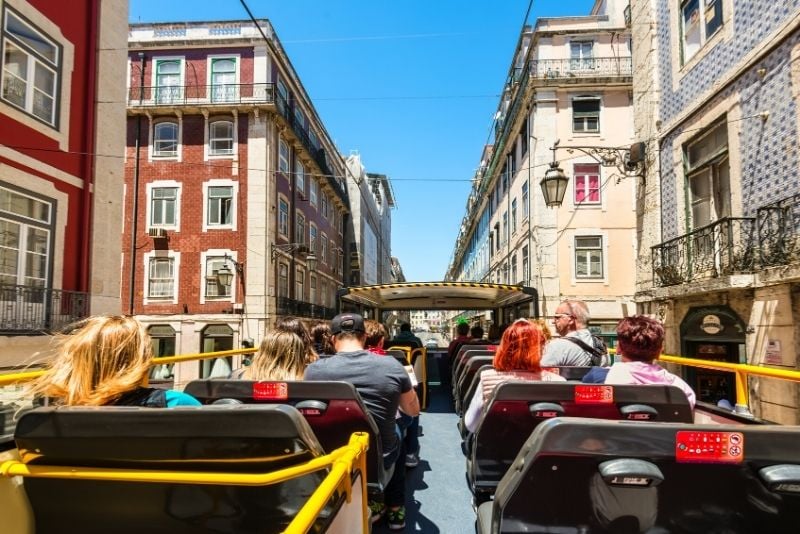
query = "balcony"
x=585 y=70
x=29 y=310
x=723 y=247
x=299 y=308
x=200 y=96
x=779 y=232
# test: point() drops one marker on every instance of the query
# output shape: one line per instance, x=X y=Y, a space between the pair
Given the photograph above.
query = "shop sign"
x=773 y=355
x=711 y=325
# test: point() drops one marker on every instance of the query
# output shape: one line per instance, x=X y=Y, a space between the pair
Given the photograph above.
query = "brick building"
x=237 y=188
x=61 y=115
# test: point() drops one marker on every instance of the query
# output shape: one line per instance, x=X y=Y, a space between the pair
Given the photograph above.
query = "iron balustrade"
x=779 y=232
x=300 y=308
x=581 y=68
x=723 y=247
x=186 y=95
x=26 y=310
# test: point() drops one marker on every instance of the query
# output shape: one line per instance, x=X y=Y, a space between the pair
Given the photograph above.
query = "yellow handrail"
x=341 y=460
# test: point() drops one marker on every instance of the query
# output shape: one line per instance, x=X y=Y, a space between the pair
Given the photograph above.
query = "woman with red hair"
x=517 y=358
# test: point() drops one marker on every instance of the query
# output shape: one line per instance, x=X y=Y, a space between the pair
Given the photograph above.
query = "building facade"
x=235 y=198
x=61 y=116
x=371 y=204
x=569 y=82
x=717 y=85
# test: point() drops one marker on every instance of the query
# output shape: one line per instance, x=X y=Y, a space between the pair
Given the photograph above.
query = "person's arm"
x=409 y=403
x=473 y=413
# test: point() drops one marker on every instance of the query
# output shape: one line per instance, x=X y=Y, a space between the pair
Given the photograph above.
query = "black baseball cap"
x=347 y=322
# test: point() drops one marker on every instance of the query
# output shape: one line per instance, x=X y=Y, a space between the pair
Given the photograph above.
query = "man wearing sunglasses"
x=576 y=346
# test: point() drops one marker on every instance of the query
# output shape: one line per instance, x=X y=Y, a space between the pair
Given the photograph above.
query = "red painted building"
x=61 y=113
x=235 y=202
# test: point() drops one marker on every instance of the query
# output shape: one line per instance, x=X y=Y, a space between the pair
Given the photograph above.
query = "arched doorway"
x=713 y=333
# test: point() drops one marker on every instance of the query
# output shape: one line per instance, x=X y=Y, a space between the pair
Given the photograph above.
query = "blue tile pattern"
x=769 y=150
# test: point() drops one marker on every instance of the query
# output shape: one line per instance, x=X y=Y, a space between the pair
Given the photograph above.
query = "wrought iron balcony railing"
x=26 y=310
x=721 y=248
x=299 y=308
x=779 y=232
x=206 y=95
x=583 y=68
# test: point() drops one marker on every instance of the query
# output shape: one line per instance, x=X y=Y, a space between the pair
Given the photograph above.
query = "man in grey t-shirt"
x=384 y=387
x=570 y=321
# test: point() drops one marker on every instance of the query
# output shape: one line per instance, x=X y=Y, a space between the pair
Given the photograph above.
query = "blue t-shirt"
x=379 y=380
x=179 y=398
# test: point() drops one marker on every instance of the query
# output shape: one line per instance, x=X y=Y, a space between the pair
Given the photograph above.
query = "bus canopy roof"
x=437 y=295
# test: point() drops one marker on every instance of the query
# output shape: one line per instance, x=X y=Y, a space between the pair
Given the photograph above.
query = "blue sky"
x=412 y=86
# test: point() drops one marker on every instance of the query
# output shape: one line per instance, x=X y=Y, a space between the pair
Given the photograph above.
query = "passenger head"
x=521 y=347
x=545 y=329
x=320 y=332
x=297 y=327
x=571 y=315
x=476 y=332
x=281 y=356
x=348 y=332
x=405 y=327
x=376 y=334
x=462 y=329
x=95 y=364
x=494 y=332
x=640 y=338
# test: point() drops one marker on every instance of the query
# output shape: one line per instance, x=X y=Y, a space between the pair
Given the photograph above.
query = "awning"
x=437 y=296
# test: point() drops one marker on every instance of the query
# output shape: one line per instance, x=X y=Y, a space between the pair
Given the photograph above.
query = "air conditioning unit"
x=157 y=232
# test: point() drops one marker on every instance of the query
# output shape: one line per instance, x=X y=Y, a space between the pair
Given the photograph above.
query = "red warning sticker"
x=709 y=447
x=270 y=391
x=594 y=394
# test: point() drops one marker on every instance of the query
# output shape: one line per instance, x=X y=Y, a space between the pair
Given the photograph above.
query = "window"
x=514 y=269
x=587 y=184
x=25 y=234
x=523 y=139
x=223 y=80
x=323 y=292
x=300 y=178
x=524 y=200
x=323 y=253
x=283 y=157
x=709 y=175
x=300 y=228
x=313 y=191
x=513 y=216
x=312 y=238
x=586 y=114
x=497 y=236
x=161 y=283
x=220 y=138
x=700 y=19
x=340 y=221
x=283 y=95
x=580 y=55
x=283 y=280
x=283 y=217
x=312 y=289
x=299 y=118
x=324 y=205
x=589 y=257
x=313 y=138
x=165 y=140
x=505 y=227
x=162 y=337
x=163 y=201
x=168 y=81
x=215 y=338
x=525 y=265
x=220 y=206
x=300 y=284
x=31 y=68
x=213 y=288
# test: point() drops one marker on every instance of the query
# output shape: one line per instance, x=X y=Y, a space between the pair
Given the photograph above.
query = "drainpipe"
x=135 y=192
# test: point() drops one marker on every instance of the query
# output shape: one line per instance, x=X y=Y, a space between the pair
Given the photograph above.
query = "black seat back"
x=516 y=408
x=470 y=393
x=469 y=371
x=461 y=355
x=601 y=476
x=245 y=439
x=465 y=357
x=570 y=372
x=334 y=410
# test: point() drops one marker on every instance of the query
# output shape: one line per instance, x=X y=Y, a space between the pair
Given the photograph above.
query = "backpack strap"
x=594 y=354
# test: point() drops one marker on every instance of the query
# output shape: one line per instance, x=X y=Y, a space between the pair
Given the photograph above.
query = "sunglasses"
x=560 y=315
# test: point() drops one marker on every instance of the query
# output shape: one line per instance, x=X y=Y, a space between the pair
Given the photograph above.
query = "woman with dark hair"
x=297 y=327
x=517 y=358
x=639 y=343
x=320 y=332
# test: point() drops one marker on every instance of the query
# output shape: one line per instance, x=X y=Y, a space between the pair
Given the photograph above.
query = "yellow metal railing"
x=341 y=461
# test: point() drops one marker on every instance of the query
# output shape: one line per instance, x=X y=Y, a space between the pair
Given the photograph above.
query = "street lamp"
x=302 y=252
x=629 y=161
x=224 y=273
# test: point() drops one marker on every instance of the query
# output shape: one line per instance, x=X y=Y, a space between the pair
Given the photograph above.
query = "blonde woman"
x=281 y=356
x=105 y=362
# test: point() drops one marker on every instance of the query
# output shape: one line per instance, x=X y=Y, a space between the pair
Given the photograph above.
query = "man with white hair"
x=576 y=346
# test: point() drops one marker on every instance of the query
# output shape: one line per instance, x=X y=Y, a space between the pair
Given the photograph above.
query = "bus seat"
x=419 y=361
x=571 y=372
x=334 y=410
x=458 y=373
x=580 y=475
x=516 y=408
x=401 y=354
x=247 y=439
x=464 y=404
x=468 y=372
x=461 y=356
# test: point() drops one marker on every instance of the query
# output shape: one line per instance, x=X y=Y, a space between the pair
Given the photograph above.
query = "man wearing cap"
x=384 y=387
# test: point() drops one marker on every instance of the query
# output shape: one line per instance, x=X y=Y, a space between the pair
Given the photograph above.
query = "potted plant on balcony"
x=670 y=275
